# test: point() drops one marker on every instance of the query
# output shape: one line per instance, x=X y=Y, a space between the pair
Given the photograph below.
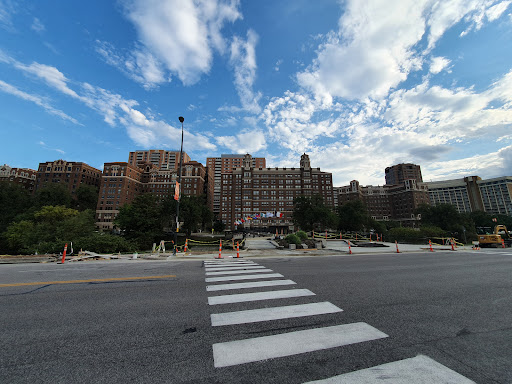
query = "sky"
x=358 y=85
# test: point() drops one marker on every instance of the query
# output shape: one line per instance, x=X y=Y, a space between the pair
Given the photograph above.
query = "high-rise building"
x=122 y=182
x=162 y=159
x=262 y=198
x=397 y=174
x=474 y=194
x=70 y=174
x=24 y=177
x=226 y=164
x=389 y=202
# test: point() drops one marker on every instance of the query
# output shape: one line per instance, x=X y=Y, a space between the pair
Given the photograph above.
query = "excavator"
x=486 y=238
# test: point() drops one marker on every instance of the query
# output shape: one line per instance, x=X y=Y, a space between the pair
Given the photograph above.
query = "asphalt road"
x=149 y=321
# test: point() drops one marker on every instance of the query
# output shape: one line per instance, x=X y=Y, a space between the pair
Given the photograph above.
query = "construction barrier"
x=220 y=250
x=64 y=253
x=396 y=243
x=430 y=244
x=349 y=248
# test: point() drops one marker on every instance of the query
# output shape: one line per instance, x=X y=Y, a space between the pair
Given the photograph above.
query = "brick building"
x=263 y=197
x=24 y=177
x=162 y=159
x=226 y=164
x=397 y=174
x=394 y=201
x=70 y=174
x=122 y=182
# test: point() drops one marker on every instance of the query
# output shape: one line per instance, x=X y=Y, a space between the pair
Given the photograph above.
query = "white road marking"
x=276 y=313
x=233 y=268
x=229 y=263
x=257 y=296
x=292 y=343
x=417 y=370
x=228 y=272
x=243 y=277
x=255 y=284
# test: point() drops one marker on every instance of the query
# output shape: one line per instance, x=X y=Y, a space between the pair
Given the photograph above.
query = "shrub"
x=302 y=235
x=293 y=239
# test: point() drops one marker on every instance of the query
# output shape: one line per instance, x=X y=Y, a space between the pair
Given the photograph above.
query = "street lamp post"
x=179 y=193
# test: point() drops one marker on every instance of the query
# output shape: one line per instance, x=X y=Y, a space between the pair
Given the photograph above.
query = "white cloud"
x=247 y=141
x=7 y=9
x=359 y=139
x=43 y=144
x=37 y=25
x=51 y=75
x=38 y=100
x=176 y=36
x=243 y=60
x=437 y=64
x=378 y=44
x=143 y=130
x=497 y=10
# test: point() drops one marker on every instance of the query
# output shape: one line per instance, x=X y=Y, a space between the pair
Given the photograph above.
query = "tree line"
x=42 y=223
x=443 y=220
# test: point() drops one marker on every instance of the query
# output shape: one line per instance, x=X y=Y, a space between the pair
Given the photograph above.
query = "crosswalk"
x=228 y=274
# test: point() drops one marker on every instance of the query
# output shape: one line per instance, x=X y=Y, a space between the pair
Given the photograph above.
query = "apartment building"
x=161 y=158
x=122 y=182
x=226 y=164
x=474 y=194
x=70 y=174
x=24 y=177
x=397 y=174
x=389 y=202
x=262 y=198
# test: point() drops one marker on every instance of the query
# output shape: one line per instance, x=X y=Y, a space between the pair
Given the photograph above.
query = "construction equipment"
x=496 y=238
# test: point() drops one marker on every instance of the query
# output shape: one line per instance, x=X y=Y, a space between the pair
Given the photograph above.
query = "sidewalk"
x=258 y=248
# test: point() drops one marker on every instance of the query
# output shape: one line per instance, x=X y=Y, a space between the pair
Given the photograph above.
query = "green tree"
x=310 y=213
x=352 y=216
x=141 y=220
x=444 y=216
x=49 y=229
x=86 y=197
x=14 y=201
x=53 y=194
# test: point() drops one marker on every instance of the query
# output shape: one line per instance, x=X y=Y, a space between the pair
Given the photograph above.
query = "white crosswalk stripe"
x=256 y=284
x=243 y=277
x=275 y=313
x=417 y=370
x=258 y=296
x=233 y=268
x=292 y=343
x=228 y=272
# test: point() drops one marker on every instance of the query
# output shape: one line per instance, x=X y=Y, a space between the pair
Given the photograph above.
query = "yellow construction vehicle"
x=496 y=238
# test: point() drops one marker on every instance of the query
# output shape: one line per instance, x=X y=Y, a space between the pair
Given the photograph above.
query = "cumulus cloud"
x=247 y=141
x=378 y=44
x=175 y=38
x=437 y=64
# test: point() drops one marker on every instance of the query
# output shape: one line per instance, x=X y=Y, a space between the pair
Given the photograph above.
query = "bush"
x=293 y=239
x=302 y=235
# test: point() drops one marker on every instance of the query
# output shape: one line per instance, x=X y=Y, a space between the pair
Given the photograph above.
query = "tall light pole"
x=179 y=193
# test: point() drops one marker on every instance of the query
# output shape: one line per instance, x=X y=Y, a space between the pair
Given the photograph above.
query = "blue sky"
x=358 y=85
